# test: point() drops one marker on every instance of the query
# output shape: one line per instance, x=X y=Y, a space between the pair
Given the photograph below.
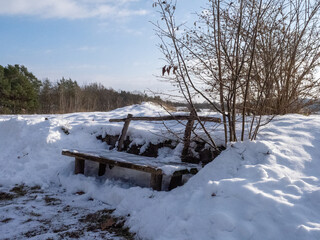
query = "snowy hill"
x=267 y=189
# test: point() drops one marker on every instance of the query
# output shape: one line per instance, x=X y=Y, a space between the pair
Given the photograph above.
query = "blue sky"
x=106 y=41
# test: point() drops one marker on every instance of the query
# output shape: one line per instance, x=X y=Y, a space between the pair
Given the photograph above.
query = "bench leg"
x=175 y=182
x=102 y=169
x=79 y=166
x=156 y=181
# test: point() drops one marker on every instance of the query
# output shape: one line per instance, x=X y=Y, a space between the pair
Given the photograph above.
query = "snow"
x=42 y=214
x=265 y=189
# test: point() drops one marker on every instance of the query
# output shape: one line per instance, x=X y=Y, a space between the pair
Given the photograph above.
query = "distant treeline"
x=22 y=92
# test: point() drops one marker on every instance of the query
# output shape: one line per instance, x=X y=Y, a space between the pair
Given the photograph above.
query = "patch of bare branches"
x=256 y=58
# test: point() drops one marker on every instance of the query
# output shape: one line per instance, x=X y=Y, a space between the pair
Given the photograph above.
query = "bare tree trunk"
x=217 y=43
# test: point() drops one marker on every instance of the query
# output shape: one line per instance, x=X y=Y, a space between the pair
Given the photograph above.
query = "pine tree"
x=19 y=90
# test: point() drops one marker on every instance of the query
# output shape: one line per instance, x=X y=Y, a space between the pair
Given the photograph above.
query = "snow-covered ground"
x=266 y=189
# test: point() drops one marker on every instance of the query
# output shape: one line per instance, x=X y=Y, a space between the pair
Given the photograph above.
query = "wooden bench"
x=141 y=163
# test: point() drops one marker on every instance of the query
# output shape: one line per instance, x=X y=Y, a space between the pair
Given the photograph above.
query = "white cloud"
x=71 y=9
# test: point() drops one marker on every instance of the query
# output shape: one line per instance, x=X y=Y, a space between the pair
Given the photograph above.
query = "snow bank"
x=268 y=189
x=30 y=145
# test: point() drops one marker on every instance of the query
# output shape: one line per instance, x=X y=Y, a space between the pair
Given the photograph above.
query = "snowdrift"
x=267 y=189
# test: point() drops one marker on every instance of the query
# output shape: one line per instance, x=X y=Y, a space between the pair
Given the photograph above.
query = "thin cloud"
x=71 y=9
x=87 y=48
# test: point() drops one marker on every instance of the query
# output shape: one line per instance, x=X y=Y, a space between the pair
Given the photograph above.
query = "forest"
x=22 y=92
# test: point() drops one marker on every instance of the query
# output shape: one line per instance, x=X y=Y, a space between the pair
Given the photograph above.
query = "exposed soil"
x=33 y=213
x=103 y=220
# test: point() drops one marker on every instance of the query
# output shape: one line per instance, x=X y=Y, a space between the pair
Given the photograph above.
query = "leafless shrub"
x=257 y=58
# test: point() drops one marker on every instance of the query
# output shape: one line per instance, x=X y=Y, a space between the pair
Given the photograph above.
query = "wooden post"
x=175 y=182
x=79 y=166
x=156 y=181
x=124 y=132
x=187 y=137
x=102 y=169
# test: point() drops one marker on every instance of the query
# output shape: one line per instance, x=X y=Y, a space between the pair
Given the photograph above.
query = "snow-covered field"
x=267 y=189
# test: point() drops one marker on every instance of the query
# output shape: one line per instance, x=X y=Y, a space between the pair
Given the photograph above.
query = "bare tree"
x=256 y=57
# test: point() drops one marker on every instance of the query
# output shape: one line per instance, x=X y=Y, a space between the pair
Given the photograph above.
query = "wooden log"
x=186 y=140
x=175 y=182
x=79 y=166
x=156 y=181
x=124 y=132
x=168 y=118
x=102 y=169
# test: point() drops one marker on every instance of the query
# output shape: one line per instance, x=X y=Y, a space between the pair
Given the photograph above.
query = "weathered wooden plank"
x=186 y=139
x=167 y=118
x=156 y=181
x=175 y=182
x=187 y=168
x=124 y=132
x=107 y=161
x=79 y=166
x=102 y=169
